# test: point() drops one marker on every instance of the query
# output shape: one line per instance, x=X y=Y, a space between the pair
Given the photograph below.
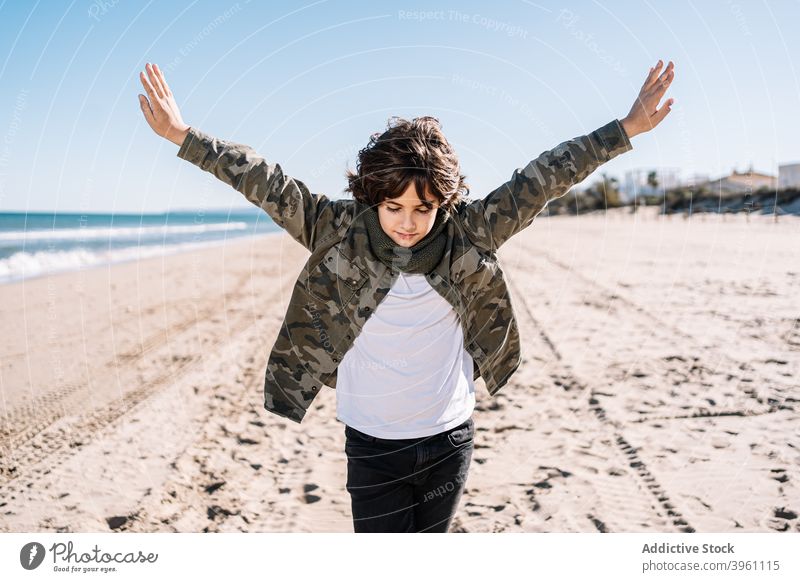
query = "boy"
x=402 y=303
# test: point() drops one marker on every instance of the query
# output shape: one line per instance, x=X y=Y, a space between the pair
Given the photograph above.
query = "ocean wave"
x=108 y=233
x=23 y=265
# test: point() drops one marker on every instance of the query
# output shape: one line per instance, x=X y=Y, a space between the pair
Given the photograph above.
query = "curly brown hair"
x=407 y=151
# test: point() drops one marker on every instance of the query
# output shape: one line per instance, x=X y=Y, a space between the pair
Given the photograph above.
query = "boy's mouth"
x=406 y=236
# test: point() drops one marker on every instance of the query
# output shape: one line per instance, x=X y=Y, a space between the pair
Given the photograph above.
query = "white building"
x=737 y=183
x=636 y=182
x=789 y=176
x=694 y=180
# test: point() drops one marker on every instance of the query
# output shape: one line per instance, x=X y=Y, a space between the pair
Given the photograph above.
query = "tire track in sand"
x=765 y=393
x=36 y=434
x=612 y=495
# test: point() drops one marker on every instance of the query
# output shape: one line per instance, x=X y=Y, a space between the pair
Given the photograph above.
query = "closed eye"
x=393 y=210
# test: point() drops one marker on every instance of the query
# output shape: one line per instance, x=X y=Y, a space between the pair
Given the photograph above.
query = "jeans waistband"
x=442 y=434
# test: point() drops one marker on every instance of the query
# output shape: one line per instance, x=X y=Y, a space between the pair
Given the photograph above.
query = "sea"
x=33 y=244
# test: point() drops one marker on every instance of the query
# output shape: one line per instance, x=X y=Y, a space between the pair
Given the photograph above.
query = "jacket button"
x=366 y=309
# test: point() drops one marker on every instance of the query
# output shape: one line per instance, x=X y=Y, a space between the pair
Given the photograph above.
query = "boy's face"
x=407 y=214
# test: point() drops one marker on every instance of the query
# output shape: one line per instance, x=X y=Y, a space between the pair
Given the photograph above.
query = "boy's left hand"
x=644 y=116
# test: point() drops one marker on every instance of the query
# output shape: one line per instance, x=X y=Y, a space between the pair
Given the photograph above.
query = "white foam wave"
x=22 y=265
x=116 y=232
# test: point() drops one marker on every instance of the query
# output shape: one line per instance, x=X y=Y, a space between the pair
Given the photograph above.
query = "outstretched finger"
x=668 y=71
x=151 y=92
x=154 y=80
x=660 y=87
x=146 y=110
x=649 y=78
x=162 y=80
x=662 y=113
x=652 y=75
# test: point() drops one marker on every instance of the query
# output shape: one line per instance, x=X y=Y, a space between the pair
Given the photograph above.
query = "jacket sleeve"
x=308 y=218
x=491 y=221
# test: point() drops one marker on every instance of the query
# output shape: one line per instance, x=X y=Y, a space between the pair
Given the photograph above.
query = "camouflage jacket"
x=342 y=282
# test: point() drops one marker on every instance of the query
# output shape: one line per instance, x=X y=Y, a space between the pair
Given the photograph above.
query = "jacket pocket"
x=335 y=280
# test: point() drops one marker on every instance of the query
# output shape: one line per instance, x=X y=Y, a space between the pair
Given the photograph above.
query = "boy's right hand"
x=161 y=112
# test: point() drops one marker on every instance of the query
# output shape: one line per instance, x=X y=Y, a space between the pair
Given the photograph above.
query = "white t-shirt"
x=407 y=374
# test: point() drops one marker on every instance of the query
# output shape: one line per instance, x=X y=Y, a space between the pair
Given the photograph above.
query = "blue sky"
x=305 y=84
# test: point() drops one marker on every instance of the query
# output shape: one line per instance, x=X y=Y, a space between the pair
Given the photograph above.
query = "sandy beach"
x=658 y=392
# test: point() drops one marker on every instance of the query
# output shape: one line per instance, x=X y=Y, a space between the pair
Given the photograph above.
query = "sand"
x=658 y=392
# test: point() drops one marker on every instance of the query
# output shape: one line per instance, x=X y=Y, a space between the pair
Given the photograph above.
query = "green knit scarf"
x=421 y=258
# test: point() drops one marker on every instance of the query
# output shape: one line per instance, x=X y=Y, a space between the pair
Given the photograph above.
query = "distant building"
x=636 y=182
x=694 y=180
x=740 y=183
x=789 y=176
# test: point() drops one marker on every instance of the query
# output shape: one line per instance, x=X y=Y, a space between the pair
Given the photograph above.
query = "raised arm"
x=308 y=218
x=511 y=207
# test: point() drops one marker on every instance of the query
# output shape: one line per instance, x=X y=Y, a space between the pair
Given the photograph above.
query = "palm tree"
x=652 y=179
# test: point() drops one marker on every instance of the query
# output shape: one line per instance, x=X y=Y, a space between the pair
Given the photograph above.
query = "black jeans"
x=407 y=485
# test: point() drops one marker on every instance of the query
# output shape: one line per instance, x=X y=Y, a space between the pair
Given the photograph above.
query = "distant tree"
x=652 y=179
x=594 y=198
x=610 y=189
x=644 y=199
